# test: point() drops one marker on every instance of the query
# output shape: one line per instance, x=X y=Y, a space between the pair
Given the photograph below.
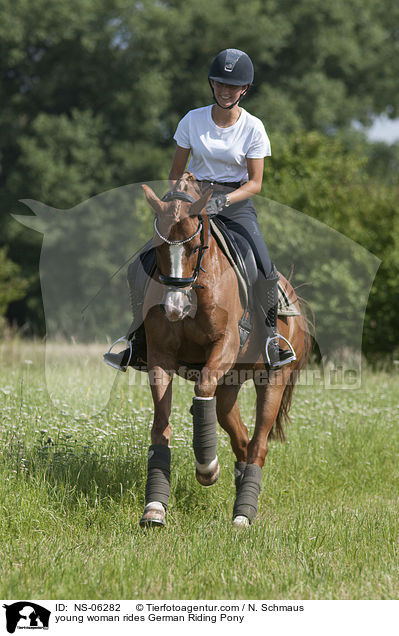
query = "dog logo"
x=26 y=615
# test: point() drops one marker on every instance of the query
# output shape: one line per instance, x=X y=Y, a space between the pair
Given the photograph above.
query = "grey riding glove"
x=216 y=204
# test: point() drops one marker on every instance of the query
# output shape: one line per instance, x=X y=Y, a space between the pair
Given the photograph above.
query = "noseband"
x=172 y=281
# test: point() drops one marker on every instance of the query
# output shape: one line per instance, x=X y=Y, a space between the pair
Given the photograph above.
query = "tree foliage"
x=92 y=91
x=12 y=285
x=327 y=179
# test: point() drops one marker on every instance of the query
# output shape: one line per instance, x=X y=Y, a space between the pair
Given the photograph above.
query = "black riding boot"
x=267 y=294
x=134 y=356
x=136 y=353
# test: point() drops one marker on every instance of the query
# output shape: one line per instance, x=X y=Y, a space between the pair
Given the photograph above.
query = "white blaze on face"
x=175 y=301
x=176 y=257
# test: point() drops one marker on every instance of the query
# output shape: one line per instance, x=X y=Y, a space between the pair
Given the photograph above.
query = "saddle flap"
x=246 y=256
x=238 y=251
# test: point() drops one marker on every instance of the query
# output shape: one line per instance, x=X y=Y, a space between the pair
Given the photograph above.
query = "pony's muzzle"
x=179 y=303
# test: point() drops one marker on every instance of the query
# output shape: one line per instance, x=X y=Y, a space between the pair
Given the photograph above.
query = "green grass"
x=72 y=493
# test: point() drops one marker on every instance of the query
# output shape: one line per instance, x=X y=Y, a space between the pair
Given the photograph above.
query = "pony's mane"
x=187 y=181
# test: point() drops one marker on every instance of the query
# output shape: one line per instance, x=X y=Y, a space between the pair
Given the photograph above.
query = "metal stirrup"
x=276 y=338
x=129 y=343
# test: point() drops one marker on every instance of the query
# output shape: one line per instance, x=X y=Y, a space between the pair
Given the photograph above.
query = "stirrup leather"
x=280 y=363
x=113 y=364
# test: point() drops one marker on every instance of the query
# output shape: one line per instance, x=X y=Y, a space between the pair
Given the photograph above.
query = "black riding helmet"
x=233 y=67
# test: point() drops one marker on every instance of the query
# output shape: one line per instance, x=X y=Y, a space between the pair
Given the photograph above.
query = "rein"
x=171 y=281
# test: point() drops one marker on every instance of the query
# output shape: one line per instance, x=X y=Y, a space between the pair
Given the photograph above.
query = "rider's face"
x=226 y=94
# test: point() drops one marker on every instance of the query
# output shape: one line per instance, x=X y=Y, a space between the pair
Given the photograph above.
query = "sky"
x=384 y=129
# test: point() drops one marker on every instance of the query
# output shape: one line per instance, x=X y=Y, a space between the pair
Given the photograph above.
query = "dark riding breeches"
x=241 y=217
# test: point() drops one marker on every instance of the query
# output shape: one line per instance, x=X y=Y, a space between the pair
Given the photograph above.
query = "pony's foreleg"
x=205 y=440
x=221 y=358
x=158 y=469
x=268 y=400
x=229 y=418
x=267 y=407
x=204 y=414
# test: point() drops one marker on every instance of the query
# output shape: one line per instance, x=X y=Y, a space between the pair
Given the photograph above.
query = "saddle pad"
x=285 y=306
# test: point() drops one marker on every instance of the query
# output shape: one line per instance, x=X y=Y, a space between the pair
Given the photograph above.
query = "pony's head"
x=182 y=235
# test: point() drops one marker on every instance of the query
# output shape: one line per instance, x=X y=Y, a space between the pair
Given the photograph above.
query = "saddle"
x=242 y=259
x=238 y=251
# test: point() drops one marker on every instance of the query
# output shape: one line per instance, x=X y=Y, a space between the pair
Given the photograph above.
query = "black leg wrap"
x=239 y=470
x=158 y=475
x=204 y=429
x=246 y=503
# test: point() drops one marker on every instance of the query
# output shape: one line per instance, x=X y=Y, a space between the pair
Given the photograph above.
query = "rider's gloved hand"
x=216 y=204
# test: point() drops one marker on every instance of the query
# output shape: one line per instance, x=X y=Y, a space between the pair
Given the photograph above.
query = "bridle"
x=172 y=281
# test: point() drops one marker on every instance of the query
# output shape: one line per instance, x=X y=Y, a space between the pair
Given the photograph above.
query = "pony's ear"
x=155 y=202
x=198 y=206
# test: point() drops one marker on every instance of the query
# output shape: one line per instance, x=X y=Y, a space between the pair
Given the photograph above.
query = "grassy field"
x=72 y=492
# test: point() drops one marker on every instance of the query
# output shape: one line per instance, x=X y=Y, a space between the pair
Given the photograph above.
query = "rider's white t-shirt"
x=220 y=154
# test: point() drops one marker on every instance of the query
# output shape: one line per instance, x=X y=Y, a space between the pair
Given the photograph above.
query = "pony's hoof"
x=153 y=516
x=241 y=522
x=208 y=478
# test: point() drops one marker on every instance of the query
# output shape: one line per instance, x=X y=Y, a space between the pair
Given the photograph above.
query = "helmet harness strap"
x=232 y=105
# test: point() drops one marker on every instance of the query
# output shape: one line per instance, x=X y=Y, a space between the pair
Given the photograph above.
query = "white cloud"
x=384 y=129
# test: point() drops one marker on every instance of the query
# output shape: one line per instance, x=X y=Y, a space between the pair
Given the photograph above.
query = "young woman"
x=227 y=147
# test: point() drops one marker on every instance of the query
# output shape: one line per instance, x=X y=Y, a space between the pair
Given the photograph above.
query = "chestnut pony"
x=193 y=323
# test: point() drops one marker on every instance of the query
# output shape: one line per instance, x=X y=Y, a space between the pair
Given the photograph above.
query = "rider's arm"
x=254 y=183
x=179 y=163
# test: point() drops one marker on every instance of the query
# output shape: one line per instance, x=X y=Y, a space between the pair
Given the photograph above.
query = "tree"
x=12 y=285
x=92 y=90
x=327 y=179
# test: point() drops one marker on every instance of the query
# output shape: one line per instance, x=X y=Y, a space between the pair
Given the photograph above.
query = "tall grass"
x=72 y=492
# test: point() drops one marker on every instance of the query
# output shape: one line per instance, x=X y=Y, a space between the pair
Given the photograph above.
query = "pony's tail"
x=277 y=431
